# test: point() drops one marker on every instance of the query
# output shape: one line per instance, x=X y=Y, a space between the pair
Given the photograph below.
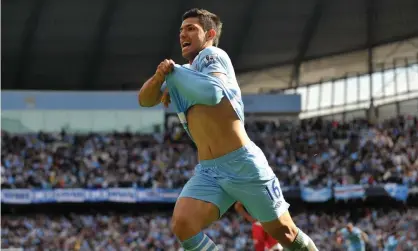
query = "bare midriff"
x=216 y=130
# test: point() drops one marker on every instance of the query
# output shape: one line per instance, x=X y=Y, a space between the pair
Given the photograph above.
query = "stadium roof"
x=116 y=44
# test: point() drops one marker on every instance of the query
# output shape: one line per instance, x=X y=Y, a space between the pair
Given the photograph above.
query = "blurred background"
x=330 y=92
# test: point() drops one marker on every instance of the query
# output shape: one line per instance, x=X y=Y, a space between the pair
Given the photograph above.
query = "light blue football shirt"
x=193 y=84
x=353 y=239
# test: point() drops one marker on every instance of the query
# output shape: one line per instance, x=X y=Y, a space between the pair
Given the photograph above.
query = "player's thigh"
x=264 y=201
x=201 y=202
x=250 y=180
x=262 y=198
x=193 y=215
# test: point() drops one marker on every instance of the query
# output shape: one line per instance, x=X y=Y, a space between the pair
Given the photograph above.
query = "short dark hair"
x=208 y=20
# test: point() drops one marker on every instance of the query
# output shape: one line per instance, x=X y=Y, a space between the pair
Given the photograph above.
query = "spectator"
x=152 y=232
x=315 y=153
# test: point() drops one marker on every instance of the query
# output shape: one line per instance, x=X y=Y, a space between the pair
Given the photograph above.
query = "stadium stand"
x=151 y=232
x=88 y=188
x=316 y=153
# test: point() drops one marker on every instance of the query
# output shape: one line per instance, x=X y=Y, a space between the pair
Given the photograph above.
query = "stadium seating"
x=151 y=232
x=315 y=154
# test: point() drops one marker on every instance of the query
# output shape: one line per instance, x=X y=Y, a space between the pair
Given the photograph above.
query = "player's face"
x=192 y=38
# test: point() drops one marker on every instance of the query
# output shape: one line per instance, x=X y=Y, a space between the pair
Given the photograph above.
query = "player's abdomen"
x=216 y=130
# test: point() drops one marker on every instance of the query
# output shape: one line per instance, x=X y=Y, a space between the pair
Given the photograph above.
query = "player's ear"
x=210 y=34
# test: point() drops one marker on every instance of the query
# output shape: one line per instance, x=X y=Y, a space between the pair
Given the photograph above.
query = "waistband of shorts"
x=229 y=156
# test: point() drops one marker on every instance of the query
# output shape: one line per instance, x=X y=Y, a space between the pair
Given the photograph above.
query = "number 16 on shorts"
x=273 y=190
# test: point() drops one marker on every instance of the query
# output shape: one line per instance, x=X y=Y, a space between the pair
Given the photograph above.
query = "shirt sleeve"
x=194 y=86
x=212 y=61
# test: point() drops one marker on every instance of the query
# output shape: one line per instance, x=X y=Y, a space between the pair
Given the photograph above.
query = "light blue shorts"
x=243 y=175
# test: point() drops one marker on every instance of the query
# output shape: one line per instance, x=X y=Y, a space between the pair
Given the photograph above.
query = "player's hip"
x=247 y=163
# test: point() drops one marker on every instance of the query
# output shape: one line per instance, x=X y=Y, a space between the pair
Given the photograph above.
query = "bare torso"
x=216 y=130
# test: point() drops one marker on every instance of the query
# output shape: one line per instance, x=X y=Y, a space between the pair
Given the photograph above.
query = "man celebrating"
x=231 y=167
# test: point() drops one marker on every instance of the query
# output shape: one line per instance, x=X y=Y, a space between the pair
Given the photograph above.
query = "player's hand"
x=165 y=98
x=164 y=68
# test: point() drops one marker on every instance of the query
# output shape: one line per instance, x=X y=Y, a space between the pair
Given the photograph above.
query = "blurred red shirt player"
x=262 y=240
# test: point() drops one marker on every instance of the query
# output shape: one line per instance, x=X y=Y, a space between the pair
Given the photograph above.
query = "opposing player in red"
x=262 y=240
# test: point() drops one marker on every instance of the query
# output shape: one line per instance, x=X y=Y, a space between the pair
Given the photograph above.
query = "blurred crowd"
x=314 y=152
x=325 y=153
x=152 y=232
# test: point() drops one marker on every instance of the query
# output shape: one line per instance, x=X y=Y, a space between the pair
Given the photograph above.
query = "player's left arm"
x=220 y=76
x=214 y=64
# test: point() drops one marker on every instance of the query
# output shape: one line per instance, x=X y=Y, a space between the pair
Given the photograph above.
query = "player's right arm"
x=241 y=210
x=150 y=93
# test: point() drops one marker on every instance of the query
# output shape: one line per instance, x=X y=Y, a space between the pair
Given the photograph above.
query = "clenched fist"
x=164 y=68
